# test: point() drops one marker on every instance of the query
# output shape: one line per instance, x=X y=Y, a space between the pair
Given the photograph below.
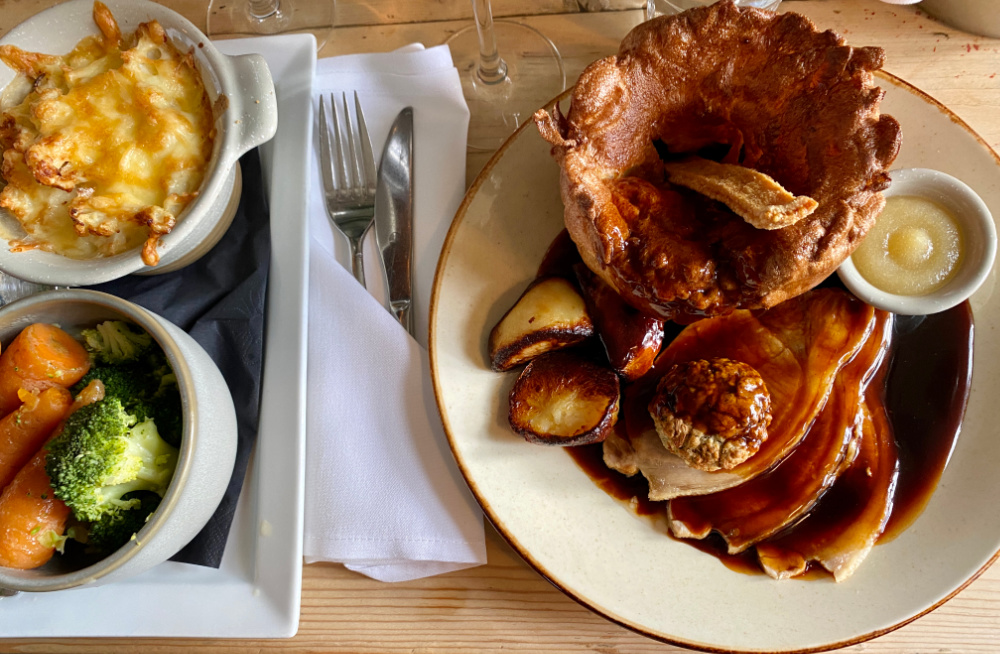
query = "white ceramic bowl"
x=978 y=232
x=250 y=119
x=207 y=451
x=975 y=16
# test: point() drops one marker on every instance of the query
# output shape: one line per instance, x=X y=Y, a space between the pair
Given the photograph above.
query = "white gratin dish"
x=249 y=119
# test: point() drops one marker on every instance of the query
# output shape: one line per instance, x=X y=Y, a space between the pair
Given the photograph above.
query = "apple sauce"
x=913 y=249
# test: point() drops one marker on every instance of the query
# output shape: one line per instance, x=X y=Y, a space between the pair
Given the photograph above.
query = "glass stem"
x=261 y=9
x=492 y=68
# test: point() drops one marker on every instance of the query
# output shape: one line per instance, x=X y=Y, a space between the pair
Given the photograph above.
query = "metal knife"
x=394 y=216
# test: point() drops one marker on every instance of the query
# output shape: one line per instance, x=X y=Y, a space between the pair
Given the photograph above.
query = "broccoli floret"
x=147 y=388
x=115 y=528
x=116 y=341
x=114 y=458
x=54 y=539
x=104 y=453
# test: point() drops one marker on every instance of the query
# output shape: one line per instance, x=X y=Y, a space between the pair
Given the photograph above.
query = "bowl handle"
x=256 y=111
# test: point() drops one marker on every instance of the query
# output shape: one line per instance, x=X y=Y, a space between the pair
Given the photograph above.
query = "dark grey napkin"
x=219 y=300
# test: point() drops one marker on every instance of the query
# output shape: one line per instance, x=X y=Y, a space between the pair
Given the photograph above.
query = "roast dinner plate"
x=623 y=566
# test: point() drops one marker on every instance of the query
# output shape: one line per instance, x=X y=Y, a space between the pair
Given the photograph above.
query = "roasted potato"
x=631 y=338
x=548 y=316
x=563 y=398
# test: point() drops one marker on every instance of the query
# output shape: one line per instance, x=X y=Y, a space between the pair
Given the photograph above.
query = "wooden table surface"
x=506 y=605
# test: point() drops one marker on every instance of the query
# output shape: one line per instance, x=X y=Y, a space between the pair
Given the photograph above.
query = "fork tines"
x=348 y=170
x=350 y=148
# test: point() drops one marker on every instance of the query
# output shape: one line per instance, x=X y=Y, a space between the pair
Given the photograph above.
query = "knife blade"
x=394 y=216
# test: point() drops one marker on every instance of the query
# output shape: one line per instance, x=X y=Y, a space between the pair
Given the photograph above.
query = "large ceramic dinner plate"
x=624 y=567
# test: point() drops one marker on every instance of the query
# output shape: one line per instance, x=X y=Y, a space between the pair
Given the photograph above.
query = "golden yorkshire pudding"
x=740 y=86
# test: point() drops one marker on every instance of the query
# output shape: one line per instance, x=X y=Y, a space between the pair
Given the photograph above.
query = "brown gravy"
x=925 y=388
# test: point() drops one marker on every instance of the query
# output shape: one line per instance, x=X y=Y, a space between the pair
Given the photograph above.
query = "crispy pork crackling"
x=741 y=86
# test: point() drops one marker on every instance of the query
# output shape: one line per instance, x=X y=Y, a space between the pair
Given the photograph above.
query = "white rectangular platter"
x=256 y=591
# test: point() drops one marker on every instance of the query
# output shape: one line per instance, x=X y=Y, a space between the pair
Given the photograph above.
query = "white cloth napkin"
x=383 y=494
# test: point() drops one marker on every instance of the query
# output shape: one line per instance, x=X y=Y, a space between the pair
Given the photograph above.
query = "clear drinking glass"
x=508 y=71
x=666 y=7
x=241 y=18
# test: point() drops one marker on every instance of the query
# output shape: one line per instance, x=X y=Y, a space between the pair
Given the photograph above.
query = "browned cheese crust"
x=763 y=90
x=107 y=145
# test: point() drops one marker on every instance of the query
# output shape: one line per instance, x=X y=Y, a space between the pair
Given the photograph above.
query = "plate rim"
x=481 y=178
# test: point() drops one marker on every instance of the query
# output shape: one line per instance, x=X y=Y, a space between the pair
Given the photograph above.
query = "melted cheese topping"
x=108 y=146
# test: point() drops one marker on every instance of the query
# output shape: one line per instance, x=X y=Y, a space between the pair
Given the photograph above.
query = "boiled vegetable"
x=40 y=357
x=25 y=430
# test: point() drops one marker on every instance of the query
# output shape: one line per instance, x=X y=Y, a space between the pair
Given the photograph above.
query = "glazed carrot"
x=30 y=515
x=26 y=428
x=40 y=357
x=92 y=392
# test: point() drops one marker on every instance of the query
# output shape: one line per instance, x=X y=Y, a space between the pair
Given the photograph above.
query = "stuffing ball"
x=712 y=413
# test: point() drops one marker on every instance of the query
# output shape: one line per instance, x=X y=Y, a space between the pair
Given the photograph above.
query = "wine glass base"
x=535 y=75
x=228 y=19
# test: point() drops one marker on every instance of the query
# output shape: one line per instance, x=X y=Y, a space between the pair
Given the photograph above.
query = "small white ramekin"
x=242 y=85
x=978 y=233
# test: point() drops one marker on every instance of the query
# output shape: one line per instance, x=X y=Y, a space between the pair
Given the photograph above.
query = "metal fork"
x=348 y=176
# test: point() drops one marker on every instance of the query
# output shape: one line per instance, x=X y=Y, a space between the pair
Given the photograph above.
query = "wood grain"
x=364 y=12
x=505 y=605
